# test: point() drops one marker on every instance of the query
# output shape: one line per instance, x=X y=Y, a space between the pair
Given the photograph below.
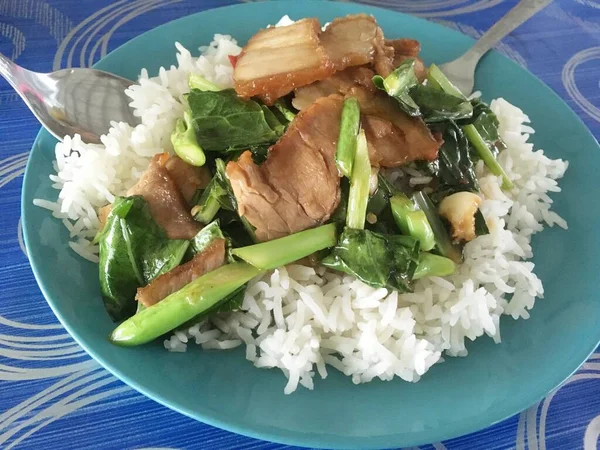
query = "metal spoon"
x=461 y=71
x=70 y=101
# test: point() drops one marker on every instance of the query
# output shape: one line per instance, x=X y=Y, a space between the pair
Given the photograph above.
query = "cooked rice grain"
x=302 y=320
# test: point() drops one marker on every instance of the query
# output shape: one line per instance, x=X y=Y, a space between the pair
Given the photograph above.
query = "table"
x=53 y=396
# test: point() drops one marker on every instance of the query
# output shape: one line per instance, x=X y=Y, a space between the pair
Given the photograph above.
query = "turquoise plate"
x=454 y=398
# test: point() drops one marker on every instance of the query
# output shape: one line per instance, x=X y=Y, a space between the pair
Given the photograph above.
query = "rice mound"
x=304 y=320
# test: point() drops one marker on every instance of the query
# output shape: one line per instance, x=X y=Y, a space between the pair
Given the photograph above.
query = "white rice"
x=90 y=176
x=301 y=319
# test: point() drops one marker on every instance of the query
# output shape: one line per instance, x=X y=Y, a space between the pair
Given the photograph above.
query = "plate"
x=457 y=397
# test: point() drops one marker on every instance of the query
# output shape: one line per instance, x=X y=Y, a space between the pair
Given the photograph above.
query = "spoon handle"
x=8 y=70
x=515 y=17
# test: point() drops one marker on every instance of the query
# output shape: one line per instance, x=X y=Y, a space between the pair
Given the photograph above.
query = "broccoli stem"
x=484 y=152
x=412 y=221
x=285 y=110
x=359 y=185
x=431 y=265
x=349 y=128
x=438 y=80
x=279 y=252
x=196 y=81
x=442 y=238
x=195 y=298
x=208 y=206
x=185 y=142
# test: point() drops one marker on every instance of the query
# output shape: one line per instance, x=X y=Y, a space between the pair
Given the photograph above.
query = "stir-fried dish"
x=296 y=163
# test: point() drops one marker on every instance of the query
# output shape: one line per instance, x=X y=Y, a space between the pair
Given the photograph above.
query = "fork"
x=461 y=71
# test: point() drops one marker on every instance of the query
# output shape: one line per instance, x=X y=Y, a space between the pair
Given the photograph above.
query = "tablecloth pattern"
x=53 y=396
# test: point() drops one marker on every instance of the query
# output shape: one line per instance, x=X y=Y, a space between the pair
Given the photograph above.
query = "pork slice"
x=278 y=59
x=188 y=178
x=393 y=137
x=404 y=46
x=407 y=49
x=383 y=61
x=167 y=206
x=351 y=40
x=338 y=83
x=298 y=186
x=164 y=285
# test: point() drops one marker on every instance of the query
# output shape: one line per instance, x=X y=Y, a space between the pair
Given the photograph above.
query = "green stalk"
x=185 y=142
x=486 y=155
x=195 y=298
x=437 y=79
x=208 y=204
x=412 y=221
x=359 y=185
x=279 y=252
x=442 y=238
x=196 y=81
x=431 y=265
x=349 y=128
x=282 y=106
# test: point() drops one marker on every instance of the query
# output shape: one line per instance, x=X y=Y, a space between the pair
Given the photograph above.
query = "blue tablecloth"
x=53 y=396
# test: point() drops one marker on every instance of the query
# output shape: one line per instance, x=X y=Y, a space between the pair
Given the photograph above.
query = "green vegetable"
x=481 y=227
x=416 y=99
x=412 y=221
x=225 y=122
x=198 y=244
x=486 y=123
x=185 y=143
x=273 y=122
x=199 y=296
x=287 y=111
x=346 y=144
x=133 y=251
x=339 y=215
x=279 y=252
x=205 y=237
x=196 y=81
x=437 y=79
x=483 y=150
x=443 y=242
x=431 y=265
x=218 y=194
x=260 y=153
x=398 y=85
x=380 y=199
x=359 y=185
x=376 y=259
x=208 y=204
x=454 y=166
x=437 y=106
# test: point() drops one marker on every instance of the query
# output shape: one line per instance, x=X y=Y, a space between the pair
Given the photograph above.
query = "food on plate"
x=320 y=196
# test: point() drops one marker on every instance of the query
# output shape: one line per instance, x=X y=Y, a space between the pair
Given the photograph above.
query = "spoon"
x=461 y=71
x=72 y=101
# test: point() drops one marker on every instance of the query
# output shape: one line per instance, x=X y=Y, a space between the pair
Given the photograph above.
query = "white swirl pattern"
x=12 y=167
x=435 y=8
x=589 y=3
x=431 y=8
x=44 y=352
x=114 y=15
x=57 y=23
x=531 y=429
x=16 y=36
x=568 y=78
